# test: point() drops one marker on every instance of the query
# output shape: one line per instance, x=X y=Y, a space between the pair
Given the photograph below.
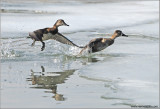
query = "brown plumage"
x=99 y=44
x=46 y=33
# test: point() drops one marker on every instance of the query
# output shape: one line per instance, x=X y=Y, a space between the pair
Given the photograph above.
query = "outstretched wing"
x=60 y=38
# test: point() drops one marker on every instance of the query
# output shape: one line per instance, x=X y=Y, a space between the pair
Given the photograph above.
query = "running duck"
x=99 y=44
x=48 y=33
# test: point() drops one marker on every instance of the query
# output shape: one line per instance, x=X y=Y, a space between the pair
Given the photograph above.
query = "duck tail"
x=28 y=37
x=32 y=35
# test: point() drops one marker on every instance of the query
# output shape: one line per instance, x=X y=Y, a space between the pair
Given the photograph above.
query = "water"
x=123 y=75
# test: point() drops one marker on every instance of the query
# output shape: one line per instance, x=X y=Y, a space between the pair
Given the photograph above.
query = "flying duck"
x=99 y=44
x=48 y=33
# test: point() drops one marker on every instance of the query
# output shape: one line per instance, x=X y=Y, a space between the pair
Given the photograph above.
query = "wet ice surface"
x=123 y=75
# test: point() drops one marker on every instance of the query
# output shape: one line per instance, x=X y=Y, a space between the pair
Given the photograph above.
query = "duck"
x=98 y=44
x=48 y=33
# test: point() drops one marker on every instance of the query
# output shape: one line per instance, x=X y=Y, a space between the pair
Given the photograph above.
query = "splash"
x=7 y=51
x=55 y=48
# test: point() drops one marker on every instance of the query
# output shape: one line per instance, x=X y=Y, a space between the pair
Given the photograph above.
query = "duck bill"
x=65 y=24
x=124 y=35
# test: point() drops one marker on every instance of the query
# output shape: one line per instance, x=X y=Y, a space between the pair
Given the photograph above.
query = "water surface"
x=125 y=74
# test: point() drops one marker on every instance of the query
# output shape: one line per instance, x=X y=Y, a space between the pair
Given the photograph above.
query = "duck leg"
x=82 y=50
x=33 y=43
x=43 y=46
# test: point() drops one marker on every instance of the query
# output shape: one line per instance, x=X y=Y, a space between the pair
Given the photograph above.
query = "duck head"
x=119 y=33
x=60 y=22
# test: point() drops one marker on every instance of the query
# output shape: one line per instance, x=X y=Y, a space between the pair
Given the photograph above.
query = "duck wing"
x=60 y=38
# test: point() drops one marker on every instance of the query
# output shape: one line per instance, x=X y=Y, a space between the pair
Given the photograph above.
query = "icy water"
x=125 y=74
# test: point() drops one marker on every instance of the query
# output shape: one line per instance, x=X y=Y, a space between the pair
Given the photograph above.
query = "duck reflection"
x=49 y=80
